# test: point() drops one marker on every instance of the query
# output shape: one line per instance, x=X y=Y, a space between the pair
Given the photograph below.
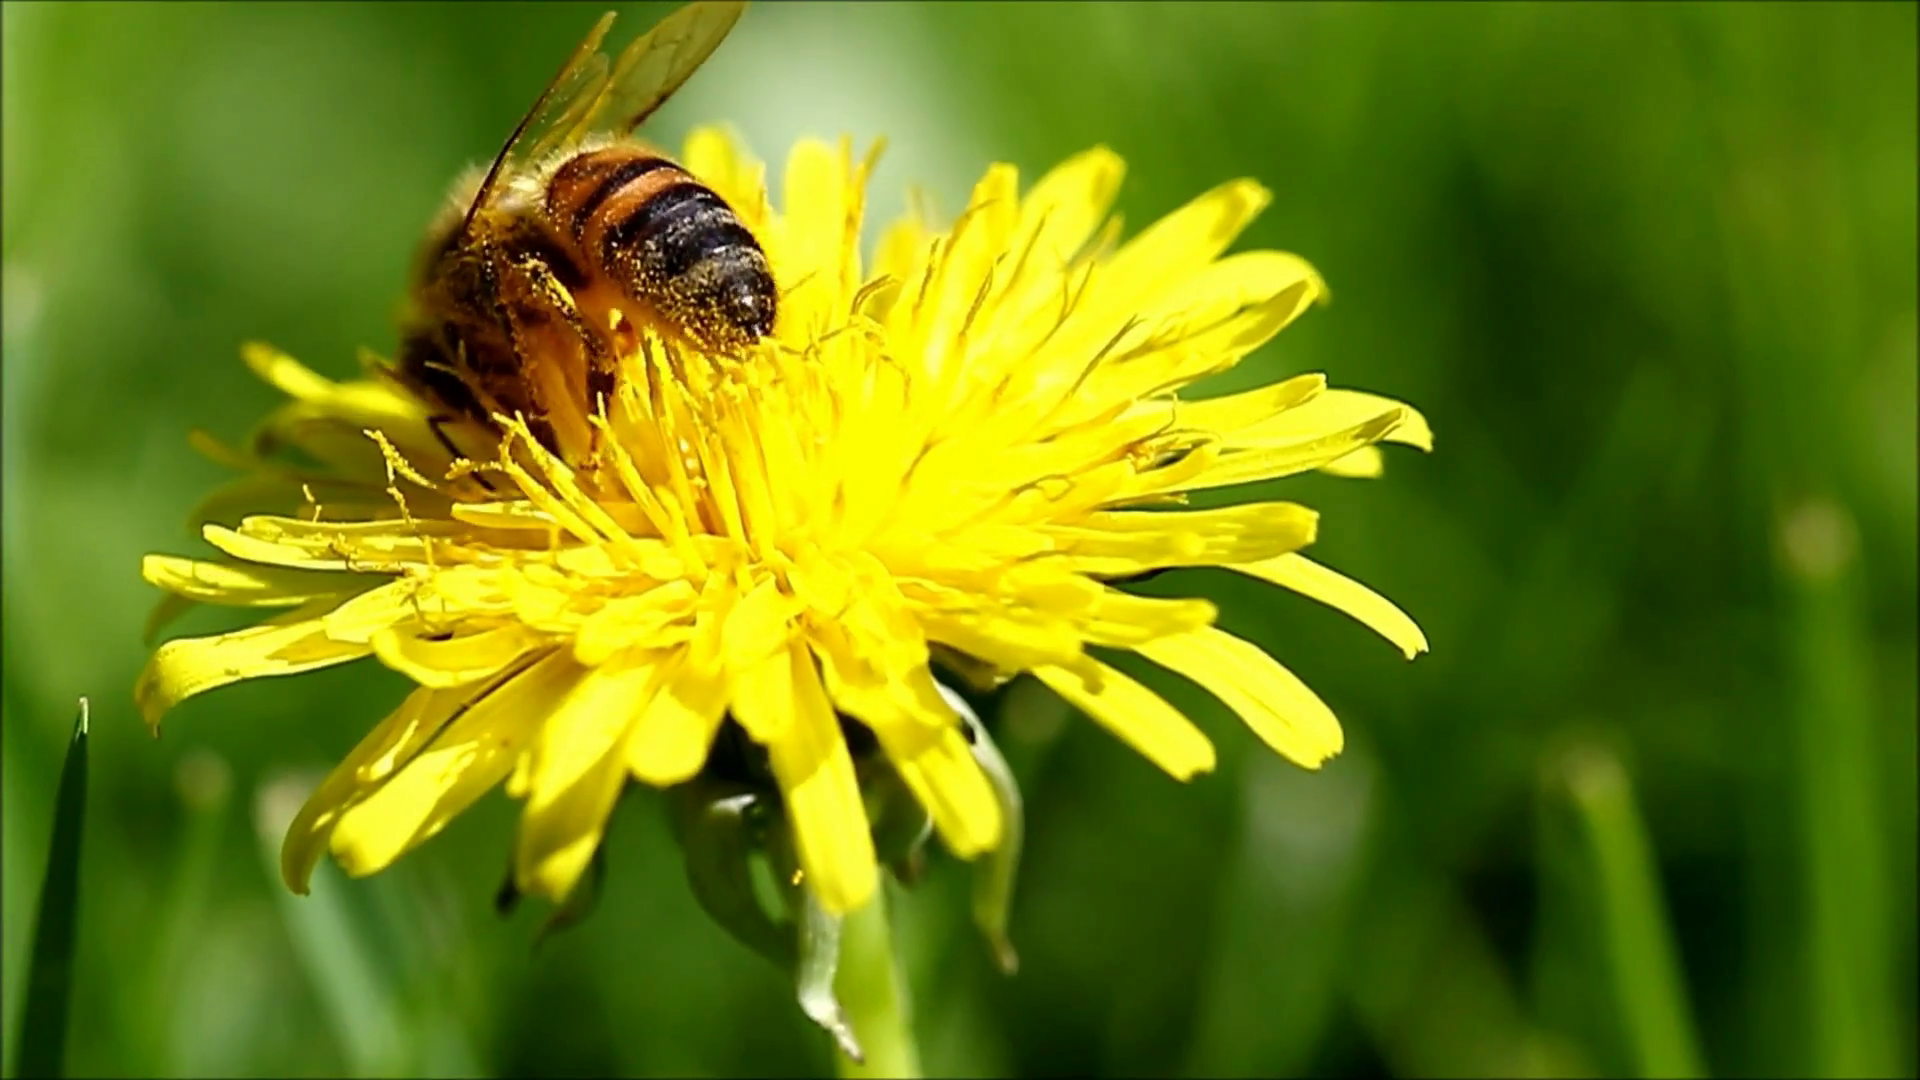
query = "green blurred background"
x=1647 y=807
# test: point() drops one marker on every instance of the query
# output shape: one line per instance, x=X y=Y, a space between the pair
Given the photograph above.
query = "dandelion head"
x=944 y=456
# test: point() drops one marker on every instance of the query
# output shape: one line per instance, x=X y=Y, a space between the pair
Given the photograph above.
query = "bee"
x=536 y=274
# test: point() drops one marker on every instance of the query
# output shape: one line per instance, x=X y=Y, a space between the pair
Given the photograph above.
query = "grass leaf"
x=343 y=962
x=43 y=1030
x=1638 y=938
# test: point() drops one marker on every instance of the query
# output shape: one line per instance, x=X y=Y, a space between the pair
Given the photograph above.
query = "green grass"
x=1635 y=934
x=42 y=1039
x=1649 y=270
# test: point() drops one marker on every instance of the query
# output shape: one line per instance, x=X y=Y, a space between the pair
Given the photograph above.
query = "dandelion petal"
x=575 y=771
x=474 y=753
x=1140 y=717
x=1336 y=590
x=812 y=765
x=1274 y=703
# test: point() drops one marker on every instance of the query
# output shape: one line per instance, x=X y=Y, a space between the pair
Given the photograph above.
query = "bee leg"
x=539 y=280
x=543 y=297
x=434 y=424
x=525 y=300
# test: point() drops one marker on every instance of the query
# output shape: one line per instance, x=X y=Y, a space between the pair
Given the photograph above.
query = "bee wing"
x=580 y=82
x=590 y=94
x=648 y=72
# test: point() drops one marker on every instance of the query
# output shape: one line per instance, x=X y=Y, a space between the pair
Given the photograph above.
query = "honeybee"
x=540 y=268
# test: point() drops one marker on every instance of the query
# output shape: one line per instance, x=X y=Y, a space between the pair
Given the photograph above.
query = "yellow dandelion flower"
x=949 y=454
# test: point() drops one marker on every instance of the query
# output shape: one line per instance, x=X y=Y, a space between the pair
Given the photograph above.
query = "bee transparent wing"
x=580 y=83
x=649 y=71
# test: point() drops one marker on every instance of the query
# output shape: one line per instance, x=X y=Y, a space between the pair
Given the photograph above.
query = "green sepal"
x=995 y=872
x=721 y=825
x=900 y=824
x=813 y=979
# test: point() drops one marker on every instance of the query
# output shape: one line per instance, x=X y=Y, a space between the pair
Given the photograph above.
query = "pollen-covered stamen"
x=550 y=486
x=738 y=428
x=665 y=402
x=665 y=517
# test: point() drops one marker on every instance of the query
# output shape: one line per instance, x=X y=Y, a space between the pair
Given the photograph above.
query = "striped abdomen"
x=667 y=240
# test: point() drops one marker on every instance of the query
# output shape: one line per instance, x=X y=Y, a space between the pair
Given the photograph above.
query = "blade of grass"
x=205 y=785
x=1282 y=917
x=1636 y=937
x=1849 y=935
x=43 y=1029
x=355 y=990
x=1428 y=987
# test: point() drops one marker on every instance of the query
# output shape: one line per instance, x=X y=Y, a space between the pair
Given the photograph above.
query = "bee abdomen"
x=667 y=239
x=675 y=230
x=587 y=183
x=687 y=250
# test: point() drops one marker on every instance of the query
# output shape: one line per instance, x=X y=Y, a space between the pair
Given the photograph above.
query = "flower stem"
x=873 y=991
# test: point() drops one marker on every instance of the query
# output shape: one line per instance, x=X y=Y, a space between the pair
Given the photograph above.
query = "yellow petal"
x=285 y=374
x=394 y=741
x=1011 y=641
x=1229 y=413
x=815 y=772
x=1229 y=286
x=588 y=721
x=248 y=585
x=815 y=244
x=1200 y=327
x=285 y=645
x=1366 y=463
x=668 y=744
x=328 y=419
x=253 y=549
x=453 y=661
x=557 y=841
x=921 y=735
x=1274 y=703
x=1335 y=410
x=337 y=446
x=858 y=610
x=286 y=491
x=1069 y=202
x=577 y=771
x=900 y=246
x=1180 y=244
x=723 y=163
x=1336 y=590
x=757 y=630
x=1120 y=542
x=357 y=619
x=1245 y=463
x=941 y=772
x=371 y=546
x=1140 y=717
x=946 y=293
x=472 y=754
x=1123 y=620
x=520 y=777
x=170 y=607
x=1057 y=217
x=652 y=619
